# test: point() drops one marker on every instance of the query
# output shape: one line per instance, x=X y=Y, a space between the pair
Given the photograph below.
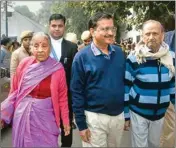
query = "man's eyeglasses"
x=106 y=29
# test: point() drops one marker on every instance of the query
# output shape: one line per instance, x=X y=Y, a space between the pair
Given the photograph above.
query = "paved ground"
x=6 y=138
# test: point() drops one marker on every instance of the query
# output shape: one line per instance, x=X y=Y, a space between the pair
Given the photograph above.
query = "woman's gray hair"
x=41 y=34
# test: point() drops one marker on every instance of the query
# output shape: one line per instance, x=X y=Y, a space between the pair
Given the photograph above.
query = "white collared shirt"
x=56 y=44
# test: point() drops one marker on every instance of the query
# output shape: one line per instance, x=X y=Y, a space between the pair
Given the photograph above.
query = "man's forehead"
x=152 y=25
x=58 y=21
x=102 y=22
x=40 y=39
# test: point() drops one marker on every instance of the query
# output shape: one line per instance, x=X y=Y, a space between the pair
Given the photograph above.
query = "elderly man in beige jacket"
x=22 y=52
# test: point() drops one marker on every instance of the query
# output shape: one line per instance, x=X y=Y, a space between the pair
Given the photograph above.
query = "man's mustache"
x=108 y=36
x=152 y=41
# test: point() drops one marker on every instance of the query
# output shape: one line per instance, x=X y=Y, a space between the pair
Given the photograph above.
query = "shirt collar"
x=58 y=41
x=97 y=51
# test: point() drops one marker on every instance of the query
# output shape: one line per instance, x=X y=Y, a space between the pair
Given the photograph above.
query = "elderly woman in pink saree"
x=37 y=99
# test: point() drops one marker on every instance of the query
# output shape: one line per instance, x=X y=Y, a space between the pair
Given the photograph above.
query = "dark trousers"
x=66 y=141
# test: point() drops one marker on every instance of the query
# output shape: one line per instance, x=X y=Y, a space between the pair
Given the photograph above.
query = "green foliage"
x=162 y=11
x=78 y=13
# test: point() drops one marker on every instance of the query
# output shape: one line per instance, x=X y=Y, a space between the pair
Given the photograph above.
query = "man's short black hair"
x=57 y=17
x=97 y=17
x=5 y=41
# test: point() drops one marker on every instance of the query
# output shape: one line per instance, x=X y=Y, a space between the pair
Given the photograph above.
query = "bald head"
x=153 y=22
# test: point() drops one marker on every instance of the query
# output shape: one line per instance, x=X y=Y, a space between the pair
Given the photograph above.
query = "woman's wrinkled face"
x=40 y=48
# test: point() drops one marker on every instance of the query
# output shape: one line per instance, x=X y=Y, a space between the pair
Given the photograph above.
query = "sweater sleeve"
x=63 y=100
x=128 y=84
x=77 y=88
x=14 y=63
x=2 y=56
x=172 y=83
x=172 y=90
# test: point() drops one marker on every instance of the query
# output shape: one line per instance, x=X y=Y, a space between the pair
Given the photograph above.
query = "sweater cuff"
x=82 y=125
x=66 y=122
x=127 y=119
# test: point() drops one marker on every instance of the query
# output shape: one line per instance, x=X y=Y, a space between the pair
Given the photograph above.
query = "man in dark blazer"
x=63 y=51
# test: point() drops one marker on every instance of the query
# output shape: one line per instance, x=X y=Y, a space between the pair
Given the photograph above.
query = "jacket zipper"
x=159 y=89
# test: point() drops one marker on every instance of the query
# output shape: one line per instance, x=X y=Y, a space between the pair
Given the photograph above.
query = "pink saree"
x=34 y=123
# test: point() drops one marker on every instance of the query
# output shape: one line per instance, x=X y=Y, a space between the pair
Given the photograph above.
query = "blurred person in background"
x=86 y=38
x=22 y=52
x=5 y=54
x=16 y=45
x=63 y=51
x=72 y=37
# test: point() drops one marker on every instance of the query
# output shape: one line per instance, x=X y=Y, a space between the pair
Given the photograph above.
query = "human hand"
x=85 y=135
x=127 y=125
x=2 y=124
x=67 y=130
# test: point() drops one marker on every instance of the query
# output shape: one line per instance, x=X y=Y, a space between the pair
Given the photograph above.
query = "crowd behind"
x=107 y=87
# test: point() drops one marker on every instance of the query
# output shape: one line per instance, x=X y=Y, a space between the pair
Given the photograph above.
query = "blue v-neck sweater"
x=97 y=83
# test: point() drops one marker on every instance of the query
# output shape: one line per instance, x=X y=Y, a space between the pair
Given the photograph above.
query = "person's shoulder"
x=52 y=61
x=70 y=43
x=169 y=36
x=83 y=53
x=60 y=70
x=27 y=60
x=118 y=49
x=85 y=50
x=16 y=52
x=80 y=47
x=131 y=57
x=2 y=51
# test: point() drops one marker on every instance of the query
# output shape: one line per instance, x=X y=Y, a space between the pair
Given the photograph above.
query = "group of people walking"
x=106 y=92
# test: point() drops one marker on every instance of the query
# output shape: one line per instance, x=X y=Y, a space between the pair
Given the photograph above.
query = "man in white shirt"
x=63 y=51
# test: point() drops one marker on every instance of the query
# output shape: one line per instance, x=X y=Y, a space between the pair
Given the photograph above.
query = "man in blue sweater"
x=149 y=86
x=97 y=86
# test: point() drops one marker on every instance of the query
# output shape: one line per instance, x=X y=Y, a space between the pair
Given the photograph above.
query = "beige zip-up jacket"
x=16 y=57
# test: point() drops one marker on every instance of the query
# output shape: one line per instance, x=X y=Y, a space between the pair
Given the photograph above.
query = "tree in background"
x=78 y=13
x=43 y=14
x=76 y=18
x=162 y=11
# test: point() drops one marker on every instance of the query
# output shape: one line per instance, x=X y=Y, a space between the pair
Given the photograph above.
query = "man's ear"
x=92 y=32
